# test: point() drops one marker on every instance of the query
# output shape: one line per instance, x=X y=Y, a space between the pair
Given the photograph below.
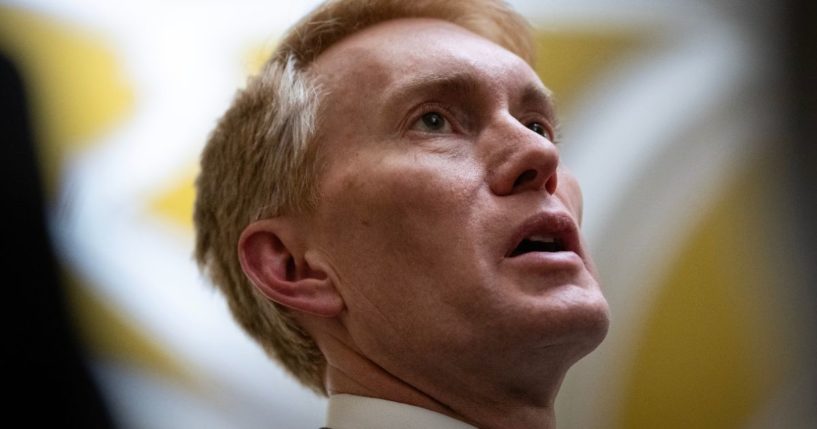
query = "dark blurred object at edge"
x=50 y=379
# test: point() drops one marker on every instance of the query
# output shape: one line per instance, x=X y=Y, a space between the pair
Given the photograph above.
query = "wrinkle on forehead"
x=368 y=78
x=368 y=62
x=387 y=50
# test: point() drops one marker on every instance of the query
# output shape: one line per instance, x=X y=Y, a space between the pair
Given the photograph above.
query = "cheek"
x=410 y=192
x=570 y=193
x=399 y=223
x=403 y=210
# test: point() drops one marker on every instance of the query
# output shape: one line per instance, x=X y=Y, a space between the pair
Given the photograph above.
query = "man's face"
x=449 y=226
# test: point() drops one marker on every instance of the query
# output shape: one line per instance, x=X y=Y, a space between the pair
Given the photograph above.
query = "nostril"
x=526 y=177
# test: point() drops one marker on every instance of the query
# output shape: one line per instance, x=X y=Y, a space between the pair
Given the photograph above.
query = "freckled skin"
x=415 y=232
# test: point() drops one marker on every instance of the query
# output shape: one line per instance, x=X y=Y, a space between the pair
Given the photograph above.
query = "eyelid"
x=417 y=112
x=551 y=126
x=553 y=132
x=556 y=129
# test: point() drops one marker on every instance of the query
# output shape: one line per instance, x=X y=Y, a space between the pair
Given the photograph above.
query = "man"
x=385 y=210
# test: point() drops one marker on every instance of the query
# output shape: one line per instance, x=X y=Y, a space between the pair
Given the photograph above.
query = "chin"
x=588 y=325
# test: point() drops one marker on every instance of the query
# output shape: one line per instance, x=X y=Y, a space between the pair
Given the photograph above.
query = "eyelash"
x=553 y=133
x=427 y=108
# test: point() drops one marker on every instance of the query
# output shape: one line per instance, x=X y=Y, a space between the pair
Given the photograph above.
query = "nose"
x=521 y=160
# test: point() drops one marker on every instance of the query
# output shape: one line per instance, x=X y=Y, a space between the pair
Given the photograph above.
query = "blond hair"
x=259 y=161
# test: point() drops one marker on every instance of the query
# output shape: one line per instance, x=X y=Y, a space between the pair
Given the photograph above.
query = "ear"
x=271 y=252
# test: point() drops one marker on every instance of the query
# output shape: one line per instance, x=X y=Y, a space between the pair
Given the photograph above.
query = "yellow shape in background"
x=174 y=204
x=255 y=57
x=75 y=86
x=109 y=335
x=570 y=59
x=714 y=346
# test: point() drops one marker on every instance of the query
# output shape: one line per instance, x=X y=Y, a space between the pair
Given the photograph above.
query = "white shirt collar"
x=359 y=412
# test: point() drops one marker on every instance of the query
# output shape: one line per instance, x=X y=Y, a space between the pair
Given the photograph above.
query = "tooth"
x=542 y=238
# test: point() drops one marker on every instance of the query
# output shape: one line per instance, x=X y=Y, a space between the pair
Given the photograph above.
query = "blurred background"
x=689 y=123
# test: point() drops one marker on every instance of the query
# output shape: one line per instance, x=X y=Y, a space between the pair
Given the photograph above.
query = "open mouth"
x=538 y=243
x=545 y=233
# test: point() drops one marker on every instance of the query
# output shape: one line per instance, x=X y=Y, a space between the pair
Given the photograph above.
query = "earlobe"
x=272 y=257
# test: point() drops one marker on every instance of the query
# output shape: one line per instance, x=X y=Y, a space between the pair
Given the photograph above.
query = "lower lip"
x=549 y=260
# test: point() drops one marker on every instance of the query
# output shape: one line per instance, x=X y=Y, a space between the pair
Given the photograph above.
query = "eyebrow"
x=458 y=82
x=539 y=95
x=463 y=83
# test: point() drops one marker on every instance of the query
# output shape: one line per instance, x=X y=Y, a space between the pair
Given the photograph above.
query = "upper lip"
x=552 y=224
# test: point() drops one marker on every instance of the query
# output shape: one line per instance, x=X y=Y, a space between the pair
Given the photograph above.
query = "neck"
x=482 y=414
x=481 y=403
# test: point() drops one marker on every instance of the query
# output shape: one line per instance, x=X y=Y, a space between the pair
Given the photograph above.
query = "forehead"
x=399 y=54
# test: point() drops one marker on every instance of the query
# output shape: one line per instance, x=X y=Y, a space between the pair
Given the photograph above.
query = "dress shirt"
x=360 y=412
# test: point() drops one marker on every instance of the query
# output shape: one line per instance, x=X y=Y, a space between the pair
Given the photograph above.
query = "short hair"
x=260 y=160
